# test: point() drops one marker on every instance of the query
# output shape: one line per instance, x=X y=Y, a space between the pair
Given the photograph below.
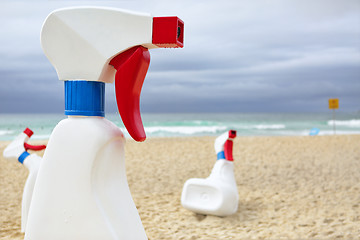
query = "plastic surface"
x=23 y=156
x=81 y=41
x=28 y=132
x=314 y=131
x=228 y=149
x=224 y=143
x=217 y=194
x=84 y=98
x=34 y=147
x=168 y=32
x=17 y=149
x=131 y=66
x=81 y=191
x=32 y=163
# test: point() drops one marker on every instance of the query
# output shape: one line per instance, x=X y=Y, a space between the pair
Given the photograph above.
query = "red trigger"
x=131 y=66
x=228 y=149
x=34 y=147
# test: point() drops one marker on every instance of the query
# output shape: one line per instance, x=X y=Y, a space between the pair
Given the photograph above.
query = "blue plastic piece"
x=22 y=157
x=314 y=131
x=85 y=98
x=221 y=155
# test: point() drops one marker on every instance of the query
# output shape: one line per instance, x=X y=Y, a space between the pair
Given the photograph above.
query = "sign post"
x=333 y=104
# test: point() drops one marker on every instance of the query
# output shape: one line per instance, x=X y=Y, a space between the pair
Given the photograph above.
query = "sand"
x=289 y=188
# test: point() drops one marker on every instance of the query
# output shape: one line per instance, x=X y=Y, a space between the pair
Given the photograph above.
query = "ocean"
x=202 y=124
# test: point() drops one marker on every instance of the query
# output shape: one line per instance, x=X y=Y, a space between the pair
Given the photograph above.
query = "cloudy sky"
x=239 y=56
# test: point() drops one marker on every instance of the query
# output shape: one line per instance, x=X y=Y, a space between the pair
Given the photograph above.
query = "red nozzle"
x=28 y=132
x=131 y=66
x=168 y=32
x=232 y=134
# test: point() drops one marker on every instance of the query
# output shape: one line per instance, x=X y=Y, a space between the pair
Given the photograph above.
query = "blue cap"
x=85 y=98
x=23 y=156
x=221 y=155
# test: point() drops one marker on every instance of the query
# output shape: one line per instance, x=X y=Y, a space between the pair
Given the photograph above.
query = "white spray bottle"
x=18 y=150
x=216 y=194
x=81 y=191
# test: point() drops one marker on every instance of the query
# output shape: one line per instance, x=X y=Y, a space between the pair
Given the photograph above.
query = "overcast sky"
x=239 y=56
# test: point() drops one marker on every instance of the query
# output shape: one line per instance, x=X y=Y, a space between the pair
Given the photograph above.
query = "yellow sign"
x=333 y=103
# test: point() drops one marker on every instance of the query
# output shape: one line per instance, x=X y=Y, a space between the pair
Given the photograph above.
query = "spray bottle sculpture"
x=81 y=190
x=18 y=150
x=217 y=194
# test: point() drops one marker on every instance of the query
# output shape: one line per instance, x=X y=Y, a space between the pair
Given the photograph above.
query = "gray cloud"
x=239 y=56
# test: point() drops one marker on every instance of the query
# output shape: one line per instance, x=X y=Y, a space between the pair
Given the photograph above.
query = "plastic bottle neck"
x=84 y=98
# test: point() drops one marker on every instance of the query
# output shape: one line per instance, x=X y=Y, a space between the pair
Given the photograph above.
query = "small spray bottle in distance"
x=216 y=194
x=81 y=191
x=18 y=150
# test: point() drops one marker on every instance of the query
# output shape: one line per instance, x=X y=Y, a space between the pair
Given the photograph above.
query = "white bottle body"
x=81 y=190
x=215 y=195
x=32 y=163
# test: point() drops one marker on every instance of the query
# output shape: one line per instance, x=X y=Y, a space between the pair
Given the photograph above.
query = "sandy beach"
x=289 y=188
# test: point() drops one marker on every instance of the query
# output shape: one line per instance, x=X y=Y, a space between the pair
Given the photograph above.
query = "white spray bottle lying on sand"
x=81 y=190
x=217 y=194
x=18 y=150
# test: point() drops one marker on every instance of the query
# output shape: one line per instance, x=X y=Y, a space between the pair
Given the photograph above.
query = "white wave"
x=338 y=132
x=345 y=123
x=306 y=133
x=261 y=126
x=188 y=130
x=41 y=137
x=6 y=132
x=271 y=126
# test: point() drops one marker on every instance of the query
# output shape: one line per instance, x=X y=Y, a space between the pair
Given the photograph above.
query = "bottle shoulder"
x=89 y=127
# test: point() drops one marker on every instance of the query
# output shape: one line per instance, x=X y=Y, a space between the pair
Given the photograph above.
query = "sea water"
x=200 y=124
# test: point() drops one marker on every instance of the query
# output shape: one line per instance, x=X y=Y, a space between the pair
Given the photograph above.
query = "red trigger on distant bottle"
x=34 y=147
x=228 y=146
x=27 y=146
